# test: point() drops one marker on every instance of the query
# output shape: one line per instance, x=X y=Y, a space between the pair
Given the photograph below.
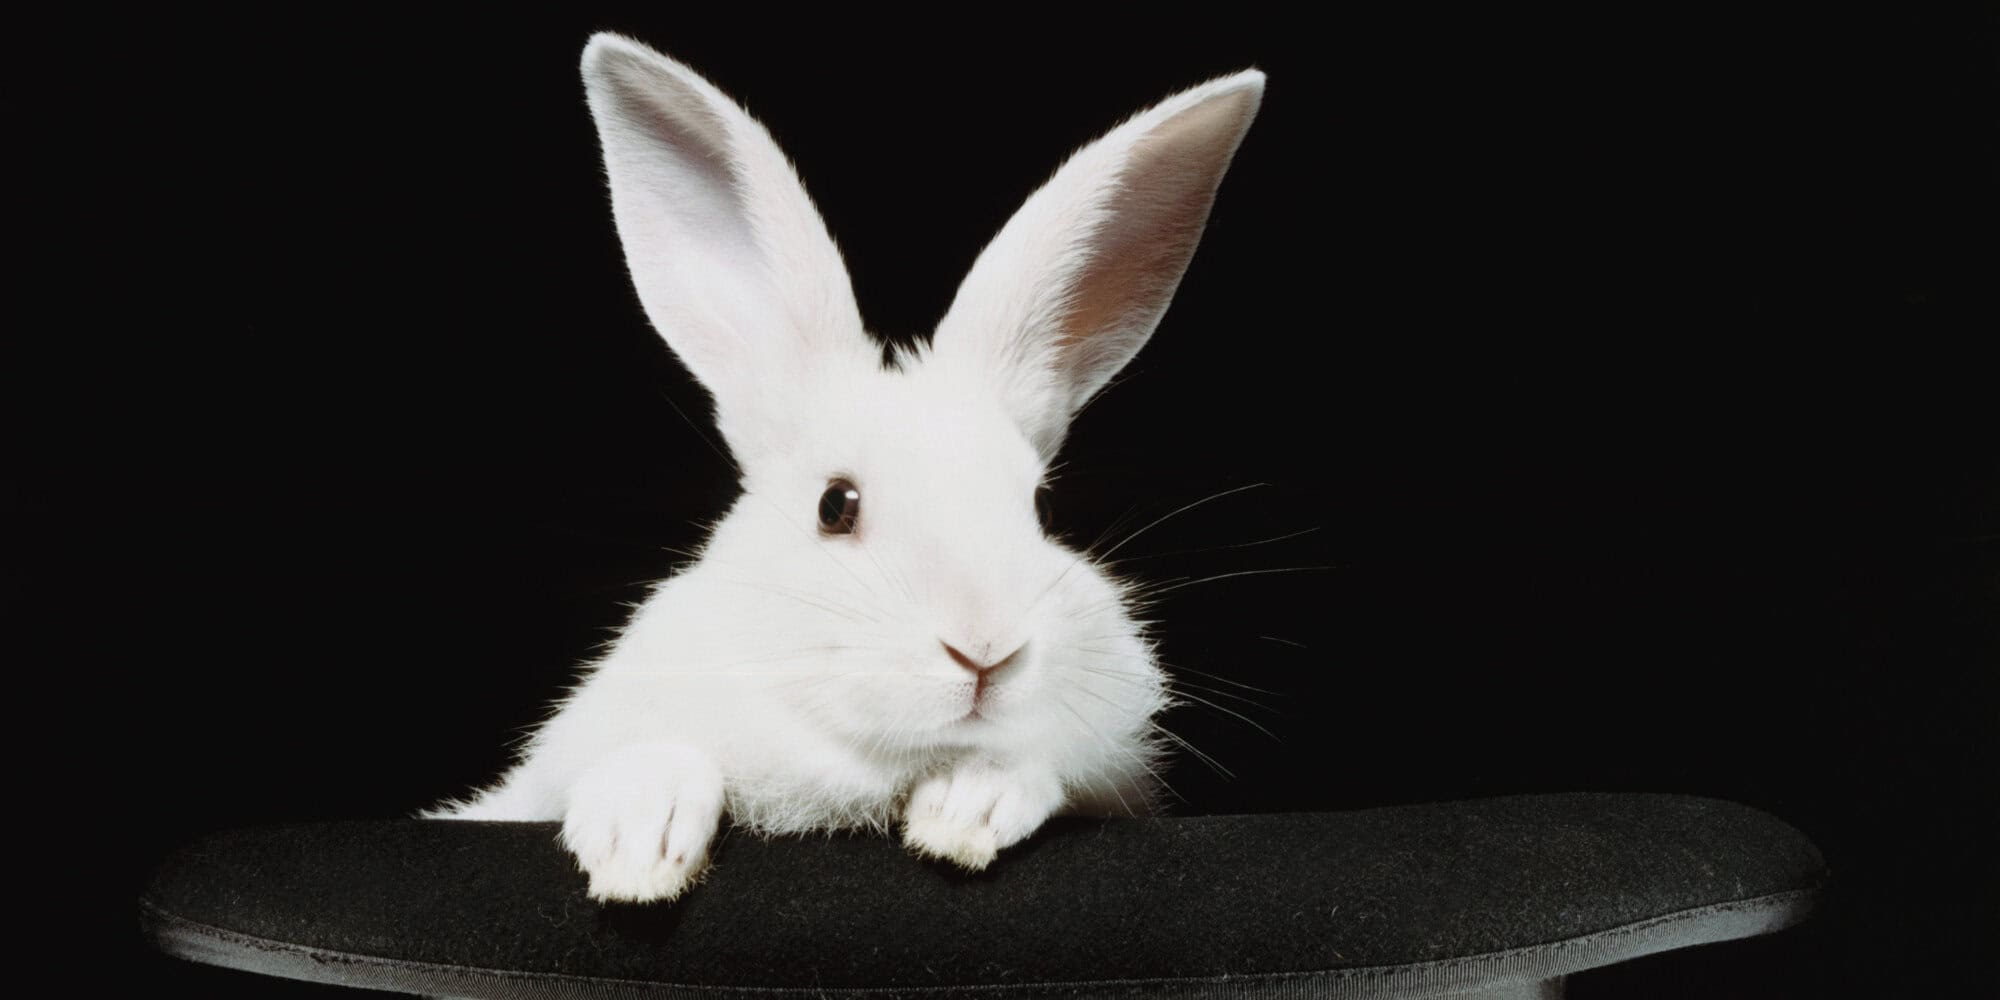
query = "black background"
x=1626 y=369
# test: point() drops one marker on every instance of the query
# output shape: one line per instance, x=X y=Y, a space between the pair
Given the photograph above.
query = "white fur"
x=798 y=681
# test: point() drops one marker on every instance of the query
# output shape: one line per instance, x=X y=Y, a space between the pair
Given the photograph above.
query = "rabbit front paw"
x=640 y=821
x=967 y=815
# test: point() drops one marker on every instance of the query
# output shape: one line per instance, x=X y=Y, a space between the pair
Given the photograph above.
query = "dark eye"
x=839 y=508
x=1043 y=510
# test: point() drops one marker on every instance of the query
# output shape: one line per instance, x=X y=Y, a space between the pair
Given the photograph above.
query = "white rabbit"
x=879 y=631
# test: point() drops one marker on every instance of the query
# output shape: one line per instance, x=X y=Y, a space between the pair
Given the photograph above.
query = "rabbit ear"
x=732 y=263
x=1074 y=284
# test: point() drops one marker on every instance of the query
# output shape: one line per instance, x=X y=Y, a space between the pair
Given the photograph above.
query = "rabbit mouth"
x=980 y=700
x=980 y=704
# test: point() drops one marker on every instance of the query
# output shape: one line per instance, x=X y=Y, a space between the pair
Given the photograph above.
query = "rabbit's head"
x=889 y=518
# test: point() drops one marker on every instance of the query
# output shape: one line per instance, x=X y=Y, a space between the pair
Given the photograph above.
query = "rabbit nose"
x=975 y=666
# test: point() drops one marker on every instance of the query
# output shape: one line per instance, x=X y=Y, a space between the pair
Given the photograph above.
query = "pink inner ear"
x=1155 y=220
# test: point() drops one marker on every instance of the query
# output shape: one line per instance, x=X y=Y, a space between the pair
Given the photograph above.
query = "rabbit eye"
x=839 y=508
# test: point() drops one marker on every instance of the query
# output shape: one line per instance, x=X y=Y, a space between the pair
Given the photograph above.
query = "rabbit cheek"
x=890 y=707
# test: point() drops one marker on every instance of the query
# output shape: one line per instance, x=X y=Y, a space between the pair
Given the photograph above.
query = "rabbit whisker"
x=1227 y=711
x=1172 y=736
x=1173 y=668
x=1195 y=752
x=1102 y=559
x=1134 y=756
x=1212 y=548
x=1180 y=689
x=1149 y=594
x=1082 y=556
x=1224 y=680
x=1176 y=684
x=1173 y=514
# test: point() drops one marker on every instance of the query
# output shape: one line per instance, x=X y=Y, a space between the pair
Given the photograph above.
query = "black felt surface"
x=1171 y=897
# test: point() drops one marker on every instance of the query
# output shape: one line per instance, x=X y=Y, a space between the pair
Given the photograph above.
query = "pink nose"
x=973 y=665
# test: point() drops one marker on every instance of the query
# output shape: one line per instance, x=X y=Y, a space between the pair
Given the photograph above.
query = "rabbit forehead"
x=919 y=429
